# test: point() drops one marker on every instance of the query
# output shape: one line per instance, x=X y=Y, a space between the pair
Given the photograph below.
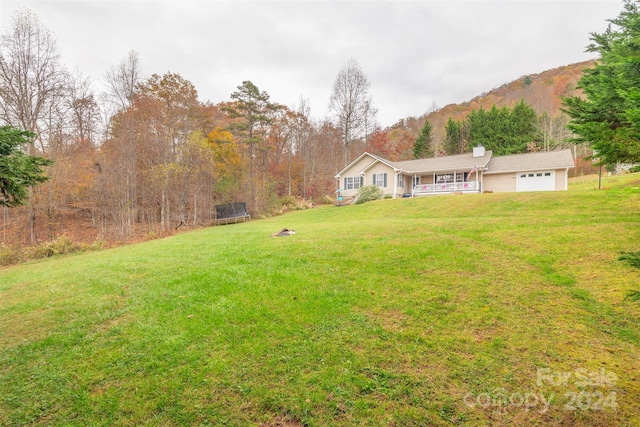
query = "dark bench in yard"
x=232 y=212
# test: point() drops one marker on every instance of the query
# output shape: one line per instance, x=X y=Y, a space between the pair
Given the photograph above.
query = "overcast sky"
x=417 y=54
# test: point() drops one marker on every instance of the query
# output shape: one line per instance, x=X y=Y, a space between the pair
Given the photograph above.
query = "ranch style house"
x=474 y=172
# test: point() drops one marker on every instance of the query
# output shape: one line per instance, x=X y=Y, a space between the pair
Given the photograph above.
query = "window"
x=380 y=179
x=400 y=181
x=535 y=175
x=352 y=182
x=416 y=180
x=451 y=177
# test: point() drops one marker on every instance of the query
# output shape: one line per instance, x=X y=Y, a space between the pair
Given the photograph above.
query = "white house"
x=474 y=172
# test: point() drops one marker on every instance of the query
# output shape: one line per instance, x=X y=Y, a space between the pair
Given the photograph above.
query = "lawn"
x=488 y=309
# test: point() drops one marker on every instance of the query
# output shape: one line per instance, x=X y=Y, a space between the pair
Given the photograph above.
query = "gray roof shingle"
x=445 y=164
x=559 y=159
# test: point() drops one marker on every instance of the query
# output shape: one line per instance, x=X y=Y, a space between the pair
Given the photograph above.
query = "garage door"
x=536 y=181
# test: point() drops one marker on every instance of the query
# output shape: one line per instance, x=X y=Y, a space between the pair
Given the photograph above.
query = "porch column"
x=413 y=185
x=395 y=184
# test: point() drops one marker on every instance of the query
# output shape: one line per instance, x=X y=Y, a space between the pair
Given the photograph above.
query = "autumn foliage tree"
x=227 y=165
x=380 y=144
x=146 y=156
x=155 y=154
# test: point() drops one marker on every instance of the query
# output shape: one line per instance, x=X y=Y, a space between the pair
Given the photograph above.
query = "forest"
x=145 y=156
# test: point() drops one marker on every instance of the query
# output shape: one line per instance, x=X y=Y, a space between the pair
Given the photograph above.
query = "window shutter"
x=361 y=178
x=385 y=180
x=373 y=179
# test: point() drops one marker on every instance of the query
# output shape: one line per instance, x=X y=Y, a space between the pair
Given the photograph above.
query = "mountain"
x=542 y=91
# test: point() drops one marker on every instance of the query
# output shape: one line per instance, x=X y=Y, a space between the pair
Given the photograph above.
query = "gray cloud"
x=416 y=53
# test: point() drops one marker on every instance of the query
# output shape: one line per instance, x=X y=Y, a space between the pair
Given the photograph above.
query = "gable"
x=355 y=167
x=362 y=164
x=377 y=168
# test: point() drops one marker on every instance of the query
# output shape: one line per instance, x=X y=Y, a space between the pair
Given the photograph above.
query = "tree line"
x=147 y=156
x=502 y=130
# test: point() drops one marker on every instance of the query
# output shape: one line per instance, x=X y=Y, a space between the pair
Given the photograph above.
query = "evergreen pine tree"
x=18 y=171
x=422 y=148
x=608 y=116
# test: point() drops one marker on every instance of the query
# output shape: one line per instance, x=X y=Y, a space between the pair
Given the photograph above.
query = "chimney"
x=478 y=151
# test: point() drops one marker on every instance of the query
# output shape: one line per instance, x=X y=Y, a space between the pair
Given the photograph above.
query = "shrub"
x=367 y=193
x=634 y=169
x=96 y=245
x=288 y=202
x=295 y=203
x=60 y=246
x=10 y=255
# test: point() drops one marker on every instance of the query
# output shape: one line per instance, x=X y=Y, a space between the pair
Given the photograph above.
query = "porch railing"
x=450 y=187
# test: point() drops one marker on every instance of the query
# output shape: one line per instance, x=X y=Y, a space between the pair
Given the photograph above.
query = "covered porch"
x=447 y=182
x=446 y=188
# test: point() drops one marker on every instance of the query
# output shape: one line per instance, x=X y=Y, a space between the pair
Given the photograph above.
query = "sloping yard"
x=487 y=309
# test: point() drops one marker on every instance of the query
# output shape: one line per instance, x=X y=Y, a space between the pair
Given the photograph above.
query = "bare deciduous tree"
x=302 y=141
x=31 y=78
x=85 y=111
x=32 y=83
x=350 y=104
x=122 y=80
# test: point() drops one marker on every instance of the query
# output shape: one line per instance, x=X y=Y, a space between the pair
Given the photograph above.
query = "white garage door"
x=536 y=181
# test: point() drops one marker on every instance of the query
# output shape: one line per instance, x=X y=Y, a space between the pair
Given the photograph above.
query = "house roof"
x=437 y=164
x=379 y=159
x=559 y=159
x=445 y=164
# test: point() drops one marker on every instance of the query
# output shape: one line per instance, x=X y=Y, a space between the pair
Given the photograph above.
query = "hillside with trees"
x=543 y=92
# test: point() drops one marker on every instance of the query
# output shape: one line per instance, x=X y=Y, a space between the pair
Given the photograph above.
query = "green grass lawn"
x=446 y=310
